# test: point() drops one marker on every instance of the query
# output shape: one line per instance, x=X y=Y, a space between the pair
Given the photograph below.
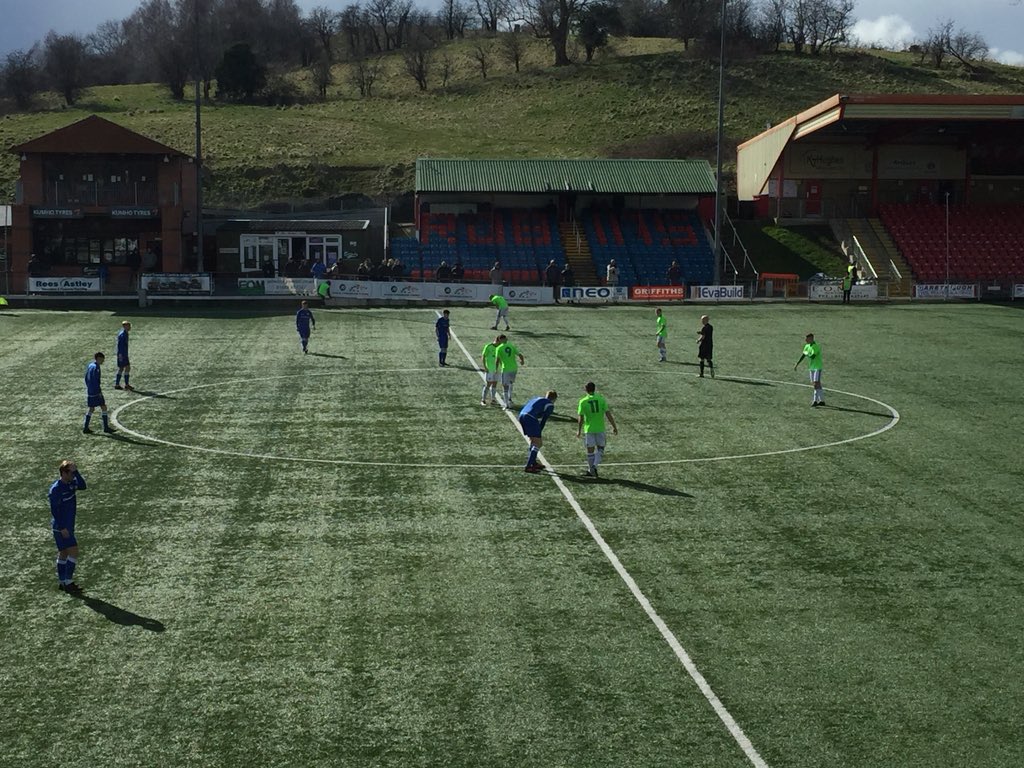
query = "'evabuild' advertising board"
x=717 y=292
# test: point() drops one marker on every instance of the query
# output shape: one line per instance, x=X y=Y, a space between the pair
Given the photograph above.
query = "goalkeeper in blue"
x=532 y=418
x=304 y=320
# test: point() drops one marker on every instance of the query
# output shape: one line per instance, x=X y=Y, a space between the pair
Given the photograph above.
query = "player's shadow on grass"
x=857 y=410
x=327 y=354
x=147 y=393
x=543 y=334
x=458 y=367
x=748 y=382
x=120 y=615
x=562 y=417
x=635 y=485
x=123 y=438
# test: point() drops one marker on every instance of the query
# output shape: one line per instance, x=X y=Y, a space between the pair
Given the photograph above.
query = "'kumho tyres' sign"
x=593 y=295
x=170 y=284
x=717 y=292
x=944 y=291
x=57 y=213
x=657 y=293
x=134 y=212
x=64 y=285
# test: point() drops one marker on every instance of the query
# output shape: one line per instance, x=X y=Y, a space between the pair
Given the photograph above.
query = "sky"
x=881 y=22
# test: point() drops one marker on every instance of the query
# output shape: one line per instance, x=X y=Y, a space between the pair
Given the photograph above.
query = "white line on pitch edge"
x=670 y=638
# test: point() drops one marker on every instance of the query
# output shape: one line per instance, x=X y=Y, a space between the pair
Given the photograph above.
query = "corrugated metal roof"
x=627 y=177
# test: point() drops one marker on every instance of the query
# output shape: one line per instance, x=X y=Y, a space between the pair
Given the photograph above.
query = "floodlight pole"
x=947 y=246
x=199 y=148
x=719 y=197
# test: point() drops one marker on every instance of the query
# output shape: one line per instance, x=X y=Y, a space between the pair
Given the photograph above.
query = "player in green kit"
x=489 y=359
x=592 y=411
x=812 y=351
x=508 y=353
x=662 y=334
x=502 y=306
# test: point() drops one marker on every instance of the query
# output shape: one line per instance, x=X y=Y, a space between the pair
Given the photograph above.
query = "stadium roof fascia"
x=601 y=176
x=948 y=108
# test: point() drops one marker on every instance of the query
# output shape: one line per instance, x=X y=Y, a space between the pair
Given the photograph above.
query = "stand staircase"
x=882 y=255
x=577 y=253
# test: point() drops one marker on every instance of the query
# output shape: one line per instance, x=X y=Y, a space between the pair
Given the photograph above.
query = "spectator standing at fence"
x=443 y=272
x=611 y=274
x=268 y=268
x=568 y=276
x=363 y=270
x=63 y=509
x=848 y=285
x=496 y=273
x=458 y=272
x=551 y=278
x=675 y=273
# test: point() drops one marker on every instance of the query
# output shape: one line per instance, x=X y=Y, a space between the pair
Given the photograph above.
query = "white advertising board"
x=399 y=291
x=600 y=294
x=942 y=291
x=1018 y=291
x=177 y=284
x=64 y=285
x=717 y=292
x=528 y=294
x=276 y=286
x=353 y=289
x=834 y=292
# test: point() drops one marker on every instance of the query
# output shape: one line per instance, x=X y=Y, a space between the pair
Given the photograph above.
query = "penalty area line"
x=673 y=642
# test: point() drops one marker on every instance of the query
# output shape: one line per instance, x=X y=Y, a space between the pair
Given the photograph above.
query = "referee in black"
x=706 y=345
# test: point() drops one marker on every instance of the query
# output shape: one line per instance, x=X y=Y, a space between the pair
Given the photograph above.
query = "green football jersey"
x=592 y=408
x=507 y=354
x=490 y=356
x=812 y=352
x=499 y=302
x=662 y=327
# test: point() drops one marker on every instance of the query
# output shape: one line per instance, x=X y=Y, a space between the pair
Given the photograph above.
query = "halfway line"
x=670 y=638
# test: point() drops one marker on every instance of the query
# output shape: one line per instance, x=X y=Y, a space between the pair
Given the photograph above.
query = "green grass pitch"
x=336 y=559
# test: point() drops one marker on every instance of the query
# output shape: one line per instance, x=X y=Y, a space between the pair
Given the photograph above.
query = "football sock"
x=85 y=424
x=62 y=571
x=483 y=394
x=702 y=367
x=532 y=458
x=598 y=456
x=126 y=379
x=508 y=395
x=117 y=379
x=592 y=459
x=72 y=562
x=106 y=421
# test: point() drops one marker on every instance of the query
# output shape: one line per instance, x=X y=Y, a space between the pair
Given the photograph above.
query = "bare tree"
x=110 y=52
x=512 y=47
x=936 y=44
x=390 y=16
x=66 y=59
x=364 y=74
x=492 y=12
x=453 y=18
x=481 y=55
x=828 y=24
x=552 y=20
x=771 y=23
x=448 y=68
x=324 y=24
x=418 y=57
x=322 y=75
x=691 y=19
x=20 y=76
x=968 y=48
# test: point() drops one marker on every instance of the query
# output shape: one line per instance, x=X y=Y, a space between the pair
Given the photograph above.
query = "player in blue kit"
x=63 y=506
x=94 y=394
x=444 y=333
x=532 y=418
x=123 y=365
x=303 y=321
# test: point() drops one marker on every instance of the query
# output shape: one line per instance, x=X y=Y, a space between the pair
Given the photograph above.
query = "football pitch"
x=337 y=559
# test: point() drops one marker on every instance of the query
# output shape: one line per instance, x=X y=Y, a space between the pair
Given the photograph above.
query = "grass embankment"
x=641 y=97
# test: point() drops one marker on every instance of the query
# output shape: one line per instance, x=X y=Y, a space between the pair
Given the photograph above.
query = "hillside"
x=640 y=98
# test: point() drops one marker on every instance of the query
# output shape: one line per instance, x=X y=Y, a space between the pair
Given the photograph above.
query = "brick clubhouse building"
x=96 y=194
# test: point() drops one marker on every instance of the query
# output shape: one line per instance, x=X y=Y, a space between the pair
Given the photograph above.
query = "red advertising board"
x=657 y=292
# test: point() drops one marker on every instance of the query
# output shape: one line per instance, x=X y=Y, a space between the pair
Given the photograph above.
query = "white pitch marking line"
x=677 y=648
x=346 y=462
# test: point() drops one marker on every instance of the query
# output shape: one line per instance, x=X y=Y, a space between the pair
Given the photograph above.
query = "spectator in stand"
x=364 y=270
x=268 y=268
x=496 y=273
x=134 y=262
x=675 y=273
x=377 y=271
x=397 y=269
x=568 y=276
x=443 y=273
x=611 y=274
x=317 y=269
x=551 y=275
x=458 y=272
x=150 y=262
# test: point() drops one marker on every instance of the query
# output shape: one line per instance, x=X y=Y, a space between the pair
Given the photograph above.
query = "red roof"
x=94 y=136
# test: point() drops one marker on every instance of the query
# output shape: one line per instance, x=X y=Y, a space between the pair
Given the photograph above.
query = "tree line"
x=245 y=46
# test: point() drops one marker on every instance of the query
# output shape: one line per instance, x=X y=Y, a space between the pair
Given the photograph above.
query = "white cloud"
x=1013 y=58
x=891 y=31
